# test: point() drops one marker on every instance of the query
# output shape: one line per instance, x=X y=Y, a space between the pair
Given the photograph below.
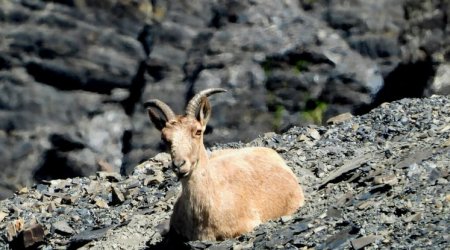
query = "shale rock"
x=373 y=181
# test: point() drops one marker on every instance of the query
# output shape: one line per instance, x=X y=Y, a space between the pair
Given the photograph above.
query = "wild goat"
x=229 y=192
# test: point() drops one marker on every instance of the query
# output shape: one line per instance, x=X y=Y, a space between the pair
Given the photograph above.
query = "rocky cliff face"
x=74 y=73
x=380 y=180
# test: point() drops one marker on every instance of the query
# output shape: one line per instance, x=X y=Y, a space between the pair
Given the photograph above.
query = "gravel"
x=380 y=180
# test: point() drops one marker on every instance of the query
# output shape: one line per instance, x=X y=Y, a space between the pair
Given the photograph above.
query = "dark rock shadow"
x=56 y=166
x=408 y=80
x=171 y=241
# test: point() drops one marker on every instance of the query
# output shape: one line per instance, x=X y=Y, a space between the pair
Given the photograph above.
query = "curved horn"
x=194 y=103
x=165 y=109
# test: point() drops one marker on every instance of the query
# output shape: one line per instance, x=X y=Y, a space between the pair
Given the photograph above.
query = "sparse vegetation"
x=300 y=66
x=315 y=115
x=267 y=66
x=278 y=117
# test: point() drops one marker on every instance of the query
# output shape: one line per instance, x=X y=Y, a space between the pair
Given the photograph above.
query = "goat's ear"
x=204 y=112
x=157 y=118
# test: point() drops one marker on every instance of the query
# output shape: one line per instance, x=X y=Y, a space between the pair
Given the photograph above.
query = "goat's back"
x=258 y=180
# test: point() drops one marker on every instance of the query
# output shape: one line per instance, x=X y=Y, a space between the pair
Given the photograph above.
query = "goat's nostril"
x=178 y=164
x=178 y=168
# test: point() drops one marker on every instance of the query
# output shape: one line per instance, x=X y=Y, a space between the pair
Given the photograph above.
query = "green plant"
x=315 y=115
x=267 y=66
x=278 y=117
x=300 y=66
x=309 y=1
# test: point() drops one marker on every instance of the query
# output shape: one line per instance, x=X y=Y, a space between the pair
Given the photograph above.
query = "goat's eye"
x=198 y=132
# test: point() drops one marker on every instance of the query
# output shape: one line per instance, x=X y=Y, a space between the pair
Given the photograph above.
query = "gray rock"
x=62 y=227
x=89 y=235
x=74 y=74
x=339 y=118
x=441 y=81
x=355 y=199
x=364 y=241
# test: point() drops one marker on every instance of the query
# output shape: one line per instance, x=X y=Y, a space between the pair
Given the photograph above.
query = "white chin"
x=182 y=175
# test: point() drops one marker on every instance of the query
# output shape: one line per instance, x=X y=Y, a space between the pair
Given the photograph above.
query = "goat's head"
x=183 y=133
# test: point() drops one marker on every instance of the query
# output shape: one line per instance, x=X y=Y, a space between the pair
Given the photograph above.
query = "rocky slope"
x=379 y=180
x=73 y=73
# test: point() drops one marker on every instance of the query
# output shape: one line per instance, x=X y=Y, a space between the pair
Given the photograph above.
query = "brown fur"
x=230 y=192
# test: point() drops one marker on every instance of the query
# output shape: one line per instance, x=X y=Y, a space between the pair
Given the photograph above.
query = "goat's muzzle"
x=180 y=169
